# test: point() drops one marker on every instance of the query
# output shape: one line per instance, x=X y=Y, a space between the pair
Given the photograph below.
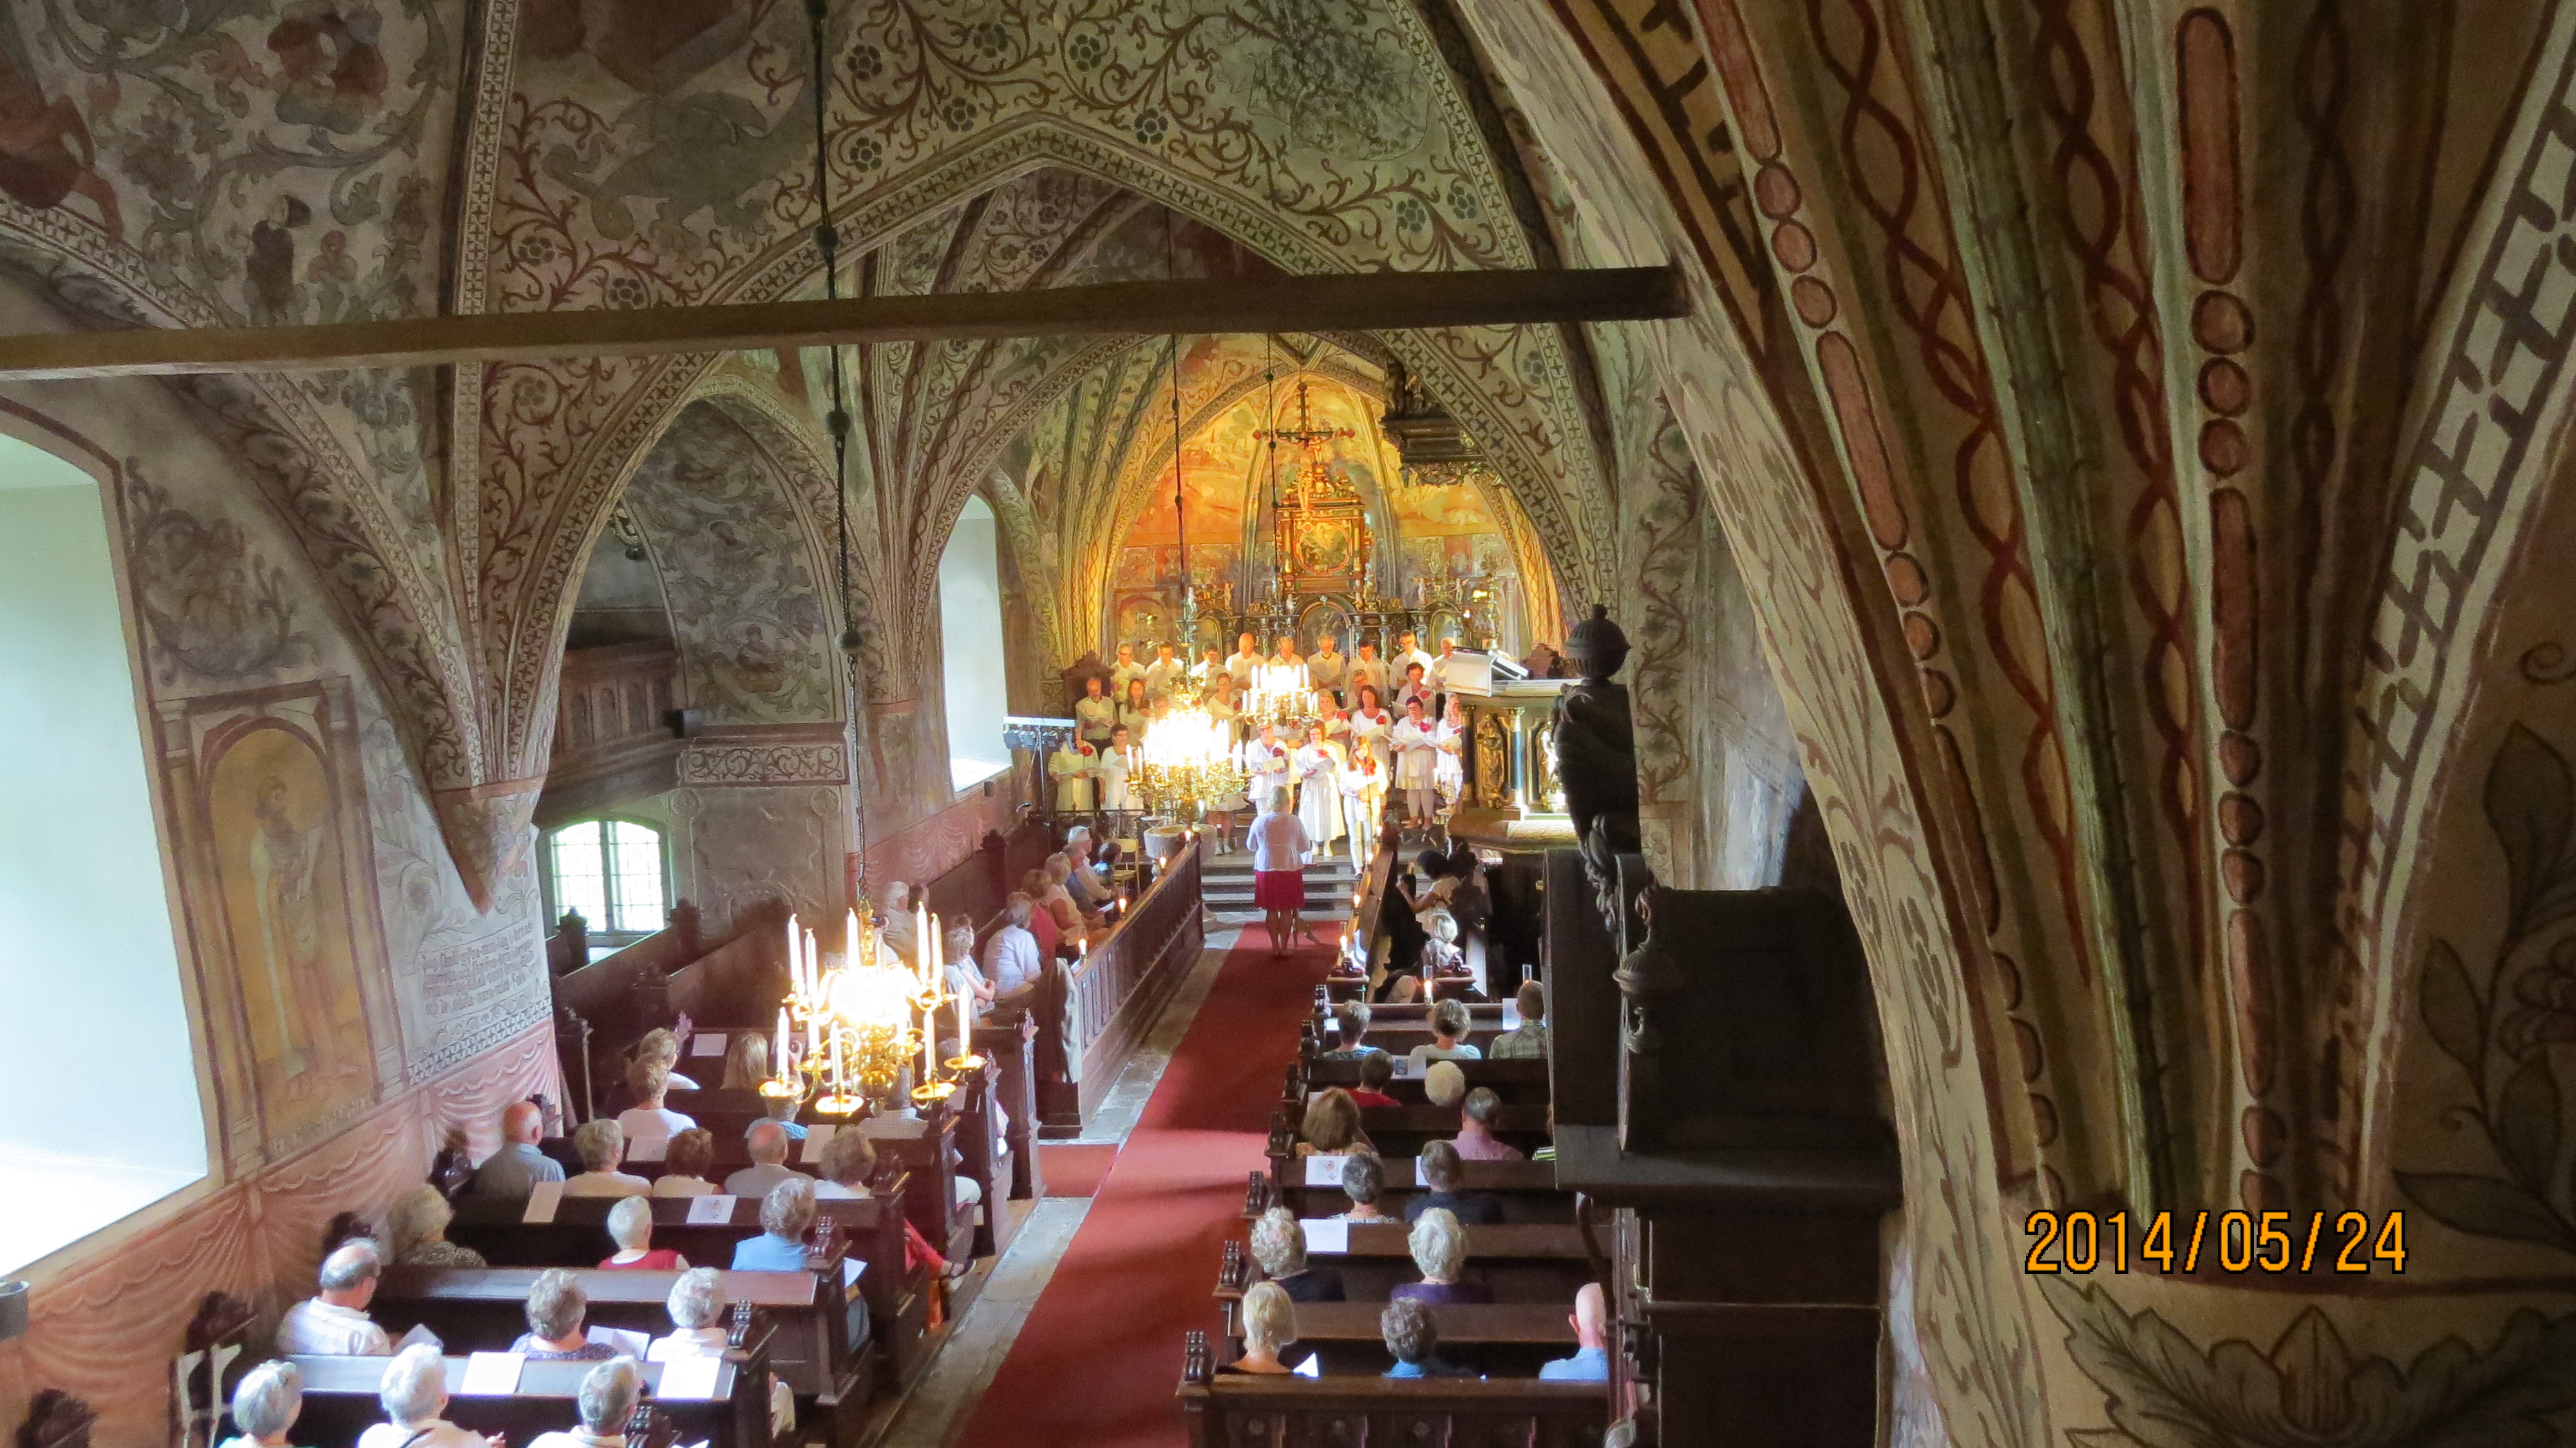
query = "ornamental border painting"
x=282 y=911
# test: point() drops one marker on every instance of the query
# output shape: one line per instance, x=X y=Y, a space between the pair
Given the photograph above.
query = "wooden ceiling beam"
x=1367 y=301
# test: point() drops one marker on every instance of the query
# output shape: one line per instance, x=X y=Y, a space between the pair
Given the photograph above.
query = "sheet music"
x=693 y=1377
x=626 y=1340
x=817 y=1136
x=851 y=1269
x=542 y=1201
x=1511 y=1013
x=649 y=1148
x=491 y=1375
x=709 y=1043
x=712 y=1210
x=1324 y=1171
x=1326 y=1235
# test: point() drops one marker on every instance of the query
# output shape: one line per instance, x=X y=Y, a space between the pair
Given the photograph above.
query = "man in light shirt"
x=1408 y=650
x=1128 y=667
x=1084 y=884
x=606 y=1400
x=1327 y=669
x=518 y=1166
x=1591 y=1361
x=334 y=1322
x=768 y=1147
x=1245 y=658
x=1165 y=673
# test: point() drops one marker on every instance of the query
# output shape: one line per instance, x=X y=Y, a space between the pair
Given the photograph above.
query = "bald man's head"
x=768 y=1143
x=1591 y=1318
x=522 y=1123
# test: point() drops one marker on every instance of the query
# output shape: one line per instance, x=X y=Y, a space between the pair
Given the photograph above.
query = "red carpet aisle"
x=1100 y=1355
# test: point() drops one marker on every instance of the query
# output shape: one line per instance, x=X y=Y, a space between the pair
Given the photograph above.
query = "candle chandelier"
x=849 y=1030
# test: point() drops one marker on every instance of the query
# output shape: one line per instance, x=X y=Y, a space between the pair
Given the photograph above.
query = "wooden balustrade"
x=614 y=730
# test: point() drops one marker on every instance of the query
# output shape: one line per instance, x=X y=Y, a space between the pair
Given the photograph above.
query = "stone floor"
x=1000 y=1294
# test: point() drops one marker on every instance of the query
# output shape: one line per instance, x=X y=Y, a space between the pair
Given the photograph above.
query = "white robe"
x=1417 y=754
x=1096 y=718
x=1364 y=806
x=1120 y=673
x=1366 y=673
x=1160 y=677
x=1269 y=772
x=1319 y=797
x=1072 y=773
x=1372 y=735
x=1448 y=771
x=1113 y=769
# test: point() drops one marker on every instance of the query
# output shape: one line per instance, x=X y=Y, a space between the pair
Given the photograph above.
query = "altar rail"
x=1107 y=1001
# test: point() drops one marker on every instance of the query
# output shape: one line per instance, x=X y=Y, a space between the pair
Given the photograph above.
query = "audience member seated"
x=1044 y=925
x=1059 y=898
x=630 y=1226
x=1476 y=1131
x=265 y=1404
x=1440 y=1249
x=334 y=1321
x=416 y=1229
x=897 y=926
x=1449 y=1023
x=1441 y=1172
x=556 y=1307
x=661 y=1045
x=1332 y=1126
x=1528 y=1040
x=1412 y=1339
x=1012 y=961
x=1444 y=1084
x=1269 y=1324
x=746 y=1061
x=768 y=1147
x=786 y=1217
x=1377 y=1068
x=648 y=1123
x=849 y=1159
x=1404 y=938
x=1591 y=1360
x=518 y=1166
x=781 y=1109
x=414 y=1393
x=1350 y=1024
x=1279 y=1245
x=602 y=1145
x=607 y=1399
x=1441 y=957
x=1086 y=885
x=697 y=1307
x=957 y=949
x=1364 y=1181
x=685 y=1167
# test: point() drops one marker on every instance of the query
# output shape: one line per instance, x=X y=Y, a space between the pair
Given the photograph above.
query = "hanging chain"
x=827 y=241
x=1180 y=513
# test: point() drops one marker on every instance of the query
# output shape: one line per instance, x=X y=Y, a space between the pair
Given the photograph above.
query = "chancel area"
x=815 y=724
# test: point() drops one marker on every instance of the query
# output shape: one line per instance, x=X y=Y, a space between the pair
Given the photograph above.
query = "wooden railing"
x=1103 y=1004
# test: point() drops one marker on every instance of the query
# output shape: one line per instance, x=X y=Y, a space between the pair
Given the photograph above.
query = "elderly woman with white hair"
x=1440 y=1249
x=1279 y=1245
x=602 y=1147
x=417 y=1225
x=609 y=1393
x=786 y=1216
x=1269 y=1324
x=697 y=1308
x=414 y=1394
x=265 y=1404
x=556 y=1307
x=630 y=1225
x=334 y=1321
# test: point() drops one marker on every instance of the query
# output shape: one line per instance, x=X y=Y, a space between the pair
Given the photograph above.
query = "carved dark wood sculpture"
x=1596 y=750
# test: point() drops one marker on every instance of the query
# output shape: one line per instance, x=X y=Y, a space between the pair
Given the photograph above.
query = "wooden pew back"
x=1227 y=1409
x=341 y=1402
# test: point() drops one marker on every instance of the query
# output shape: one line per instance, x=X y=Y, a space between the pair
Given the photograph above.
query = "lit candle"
x=929 y=1045
x=965 y=1023
x=782 y=1066
x=925 y=945
x=792 y=978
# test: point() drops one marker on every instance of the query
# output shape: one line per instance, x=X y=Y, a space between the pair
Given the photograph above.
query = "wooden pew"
x=930 y=1204
x=1527 y=1189
x=340 y=1401
x=1518 y=1082
x=865 y=1229
x=807 y=1340
x=1517 y=1262
x=1405 y=1130
x=1227 y=1409
x=1499 y=1339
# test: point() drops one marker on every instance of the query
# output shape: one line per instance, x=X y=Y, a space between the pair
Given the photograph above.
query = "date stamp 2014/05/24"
x=2266 y=1242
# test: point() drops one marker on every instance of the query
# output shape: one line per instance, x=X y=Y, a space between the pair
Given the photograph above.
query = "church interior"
x=955 y=723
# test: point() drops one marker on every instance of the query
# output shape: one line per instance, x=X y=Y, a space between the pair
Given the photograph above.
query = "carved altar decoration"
x=1321 y=522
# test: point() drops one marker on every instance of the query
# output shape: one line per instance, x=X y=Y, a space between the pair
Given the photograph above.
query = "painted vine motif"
x=2309 y=1389
x=2499 y=1032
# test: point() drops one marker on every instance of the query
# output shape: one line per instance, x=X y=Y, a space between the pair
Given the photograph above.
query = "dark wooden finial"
x=738 y=1331
x=1256 y=1194
x=1231 y=1271
x=1198 y=1365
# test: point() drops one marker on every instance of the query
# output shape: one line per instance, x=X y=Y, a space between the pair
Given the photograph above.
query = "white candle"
x=791 y=950
x=929 y=1046
x=965 y=1025
x=925 y=945
x=781 y=1064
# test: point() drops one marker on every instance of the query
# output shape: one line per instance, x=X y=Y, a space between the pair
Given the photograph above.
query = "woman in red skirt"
x=1279 y=849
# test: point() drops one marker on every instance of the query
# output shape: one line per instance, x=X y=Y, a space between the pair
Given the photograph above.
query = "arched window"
x=613 y=873
x=970 y=637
